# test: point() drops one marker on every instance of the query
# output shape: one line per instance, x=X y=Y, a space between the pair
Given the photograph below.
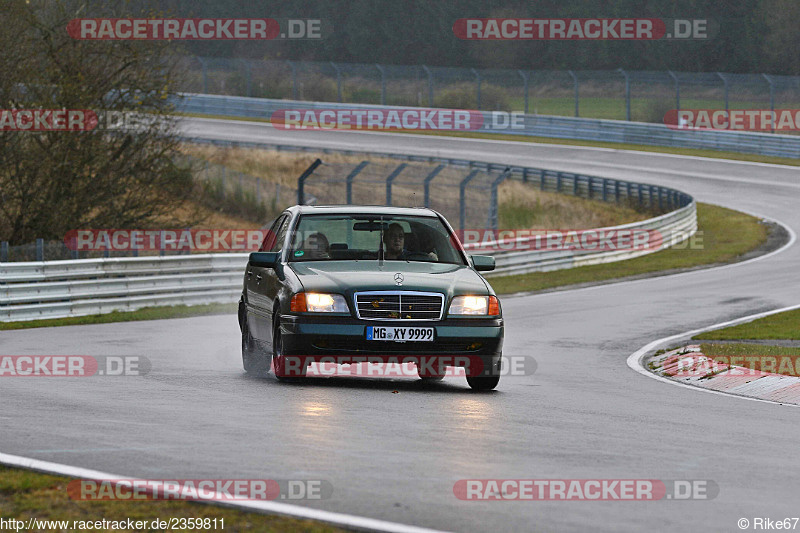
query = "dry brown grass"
x=521 y=205
x=525 y=206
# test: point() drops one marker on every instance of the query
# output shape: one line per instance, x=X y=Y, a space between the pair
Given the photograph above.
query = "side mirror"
x=482 y=263
x=264 y=259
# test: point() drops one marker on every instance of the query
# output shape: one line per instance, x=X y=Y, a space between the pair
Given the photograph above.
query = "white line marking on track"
x=296 y=511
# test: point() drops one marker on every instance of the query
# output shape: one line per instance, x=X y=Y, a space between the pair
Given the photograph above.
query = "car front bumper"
x=473 y=343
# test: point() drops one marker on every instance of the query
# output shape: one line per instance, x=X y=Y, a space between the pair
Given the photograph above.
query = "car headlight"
x=318 y=302
x=475 y=305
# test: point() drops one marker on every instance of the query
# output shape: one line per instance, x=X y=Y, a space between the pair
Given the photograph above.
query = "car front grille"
x=399 y=305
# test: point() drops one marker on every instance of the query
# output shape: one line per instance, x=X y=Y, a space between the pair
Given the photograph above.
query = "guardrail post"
x=396 y=172
x=541 y=179
x=492 y=220
x=677 y=90
x=590 y=192
x=349 y=180
x=524 y=88
x=4 y=252
x=40 y=249
x=616 y=191
x=427 y=183
x=575 y=82
x=301 y=181
x=660 y=198
x=558 y=181
x=627 y=94
x=338 y=80
x=641 y=198
x=650 y=195
x=725 y=84
x=575 y=183
x=462 y=213
x=430 y=85
x=383 y=84
x=605 y=189
x=771 y=98
x=628 y=190
x=294 y=78
x=477 y=85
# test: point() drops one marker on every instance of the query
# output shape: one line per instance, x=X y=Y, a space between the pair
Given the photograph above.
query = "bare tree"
x=55 y=181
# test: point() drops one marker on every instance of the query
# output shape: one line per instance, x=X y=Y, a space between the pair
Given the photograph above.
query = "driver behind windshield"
x=393 y=240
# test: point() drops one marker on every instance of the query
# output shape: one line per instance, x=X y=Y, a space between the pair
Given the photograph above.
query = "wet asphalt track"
x=396 y=456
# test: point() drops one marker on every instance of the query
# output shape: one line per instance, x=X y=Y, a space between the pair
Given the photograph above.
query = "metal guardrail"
x=53 y=289
x=616 y=131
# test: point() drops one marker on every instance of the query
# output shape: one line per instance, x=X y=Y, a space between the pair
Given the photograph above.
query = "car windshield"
x=373 y=237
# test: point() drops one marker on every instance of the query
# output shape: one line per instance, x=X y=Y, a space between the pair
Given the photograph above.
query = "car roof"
x=363 y=210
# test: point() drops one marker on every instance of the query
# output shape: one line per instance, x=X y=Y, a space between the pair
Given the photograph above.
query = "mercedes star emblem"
x=398 y=279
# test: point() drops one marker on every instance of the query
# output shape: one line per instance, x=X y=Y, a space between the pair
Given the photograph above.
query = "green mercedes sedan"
x=349 y=285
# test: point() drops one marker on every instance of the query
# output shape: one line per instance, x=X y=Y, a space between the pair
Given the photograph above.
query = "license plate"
x=399 y=334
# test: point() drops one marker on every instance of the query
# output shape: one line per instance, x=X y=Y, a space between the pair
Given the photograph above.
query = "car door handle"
x=259 y=278
x=249 y=273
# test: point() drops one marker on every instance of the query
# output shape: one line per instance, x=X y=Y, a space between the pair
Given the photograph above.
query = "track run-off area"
x=392 y=449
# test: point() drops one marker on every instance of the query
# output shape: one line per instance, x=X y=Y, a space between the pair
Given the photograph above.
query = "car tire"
x=255 y=360
x=279 y=358
x=483 y=382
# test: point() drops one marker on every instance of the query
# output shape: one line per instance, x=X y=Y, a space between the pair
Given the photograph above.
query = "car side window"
x=280 y=235
x=270 y=238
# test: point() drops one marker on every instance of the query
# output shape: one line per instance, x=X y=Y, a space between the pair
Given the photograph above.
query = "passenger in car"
x=316 y=246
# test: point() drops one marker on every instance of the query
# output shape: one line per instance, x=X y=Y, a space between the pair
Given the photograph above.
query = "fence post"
x=205 y=74
x=427 y=183
x=462 y=209
x=492 y=220
x=627 y=94
x=294 y=78
x=349 y=180
x=338 y=80
x=430 y=85
x=4 y=252
x=771 y=98
x=248 y=76
x=525 y=88
x=575 y=82
x=40 y=249
x=396 y=172
x=725 y=83
x=478 y=85
x=383 y=83
x=677 y=90
x=301 y=181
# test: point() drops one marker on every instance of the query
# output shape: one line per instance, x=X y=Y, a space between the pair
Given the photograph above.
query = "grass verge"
x=25 y=494
x=148 y=313
x=777 y=326
x=726 y=235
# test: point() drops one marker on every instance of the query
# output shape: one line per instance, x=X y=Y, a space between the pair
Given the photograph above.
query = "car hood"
x=347 y=277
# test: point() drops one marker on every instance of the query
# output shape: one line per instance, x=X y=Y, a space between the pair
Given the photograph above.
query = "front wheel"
x=279 y=364
x=483 y=382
